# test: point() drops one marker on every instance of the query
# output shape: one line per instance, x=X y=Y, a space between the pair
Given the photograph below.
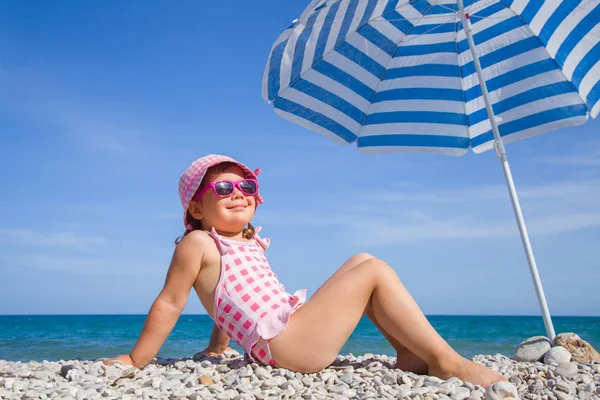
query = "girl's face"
x=225 y=214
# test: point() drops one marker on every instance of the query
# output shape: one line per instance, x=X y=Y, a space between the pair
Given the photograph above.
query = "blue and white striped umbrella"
x=397 y=75
x=440 y=76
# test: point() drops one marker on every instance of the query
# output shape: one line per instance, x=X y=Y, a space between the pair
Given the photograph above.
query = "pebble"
x=262 y=373
x=501 y=391
x=349 y=377
x=69 y=372
x=389 y=378
x=460 y=393
x=562 y=395
x=18 y=386
x=557 y=355
x=533 y=349
x=419 y=382
x=566 y=370
x=563 y=387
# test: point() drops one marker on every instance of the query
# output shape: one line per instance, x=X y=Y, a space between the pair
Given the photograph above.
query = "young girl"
x=222 y=257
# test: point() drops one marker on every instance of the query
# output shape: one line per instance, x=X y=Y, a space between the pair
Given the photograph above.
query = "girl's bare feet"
x=468 y=371
x=408 y=361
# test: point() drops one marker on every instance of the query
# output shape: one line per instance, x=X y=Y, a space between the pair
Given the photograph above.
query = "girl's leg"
x=406 y=360
x=317 y=331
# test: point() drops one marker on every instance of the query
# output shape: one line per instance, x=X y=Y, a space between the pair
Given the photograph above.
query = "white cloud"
x=95 y=131
x=570 y=191
x=577 y=154
x=64 y=240
x=41 y=101
x=24 y=263
x=587 y=160
x=565 y=223
x=386 y=233
x=421 y=214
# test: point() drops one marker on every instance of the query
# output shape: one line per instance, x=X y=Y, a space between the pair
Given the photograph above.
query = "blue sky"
x=103 y=105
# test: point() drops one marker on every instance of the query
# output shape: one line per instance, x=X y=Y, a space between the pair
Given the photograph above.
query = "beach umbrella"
x=439 y=76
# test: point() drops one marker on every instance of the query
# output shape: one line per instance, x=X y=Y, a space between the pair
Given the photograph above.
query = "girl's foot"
x=468 y=371
x=408 y=361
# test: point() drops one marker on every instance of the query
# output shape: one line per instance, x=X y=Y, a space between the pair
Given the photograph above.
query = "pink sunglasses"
x=225 y=188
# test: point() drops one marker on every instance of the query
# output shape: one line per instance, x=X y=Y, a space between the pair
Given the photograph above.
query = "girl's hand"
x=215 y=352
x=123 y=358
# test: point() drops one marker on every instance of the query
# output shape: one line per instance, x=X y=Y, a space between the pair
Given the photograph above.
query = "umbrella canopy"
x=440 y=76
x=397 y=75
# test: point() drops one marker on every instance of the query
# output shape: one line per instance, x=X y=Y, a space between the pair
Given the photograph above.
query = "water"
x=56 y=337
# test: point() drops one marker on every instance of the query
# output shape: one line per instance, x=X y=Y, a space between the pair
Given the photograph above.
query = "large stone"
x=566 y=369
x=501 y=391
x=533 y=349
x=557 y=355
x=581 y=350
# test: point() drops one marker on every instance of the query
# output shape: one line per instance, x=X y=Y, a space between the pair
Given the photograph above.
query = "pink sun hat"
x=192 y=177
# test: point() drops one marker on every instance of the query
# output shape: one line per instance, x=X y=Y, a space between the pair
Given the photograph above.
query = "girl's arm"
x=218 y=342
x=168 y=306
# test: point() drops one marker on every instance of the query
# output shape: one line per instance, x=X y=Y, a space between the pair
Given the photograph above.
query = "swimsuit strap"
x=224 y=245
x=221 y=243
x=266 y=242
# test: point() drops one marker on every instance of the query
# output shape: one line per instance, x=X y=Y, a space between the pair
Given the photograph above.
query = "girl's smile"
x=238 y=207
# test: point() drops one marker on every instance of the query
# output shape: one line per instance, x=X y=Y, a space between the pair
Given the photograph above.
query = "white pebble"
x=348 y=377
x=460 y=393
x=501 y=391
x=557 y=355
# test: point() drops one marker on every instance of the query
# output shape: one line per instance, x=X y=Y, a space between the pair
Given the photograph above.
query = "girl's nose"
x=237 y=194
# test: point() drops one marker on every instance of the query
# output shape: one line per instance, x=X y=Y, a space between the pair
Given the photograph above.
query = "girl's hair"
x=248 y=233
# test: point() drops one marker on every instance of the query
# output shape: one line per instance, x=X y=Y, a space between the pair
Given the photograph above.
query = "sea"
x=89 y=337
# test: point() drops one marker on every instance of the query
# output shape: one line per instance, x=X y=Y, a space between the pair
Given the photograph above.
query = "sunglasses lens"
x=248 y=187
x=224 y=188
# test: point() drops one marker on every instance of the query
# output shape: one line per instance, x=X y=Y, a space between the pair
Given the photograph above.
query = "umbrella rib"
x=447 y=8
x=454 y=16
x=436 y=16
x=482 y=5
x=396 y=9
x=432 y=29
x=451 y=19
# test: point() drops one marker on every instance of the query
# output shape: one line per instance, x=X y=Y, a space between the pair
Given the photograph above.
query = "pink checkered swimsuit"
x=251 y=305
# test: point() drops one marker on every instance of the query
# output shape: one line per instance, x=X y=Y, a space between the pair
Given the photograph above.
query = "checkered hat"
x=192 y=177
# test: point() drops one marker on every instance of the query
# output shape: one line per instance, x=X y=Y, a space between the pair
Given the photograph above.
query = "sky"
x=103 y=105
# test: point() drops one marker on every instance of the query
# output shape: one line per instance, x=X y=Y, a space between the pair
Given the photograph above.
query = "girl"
x=222 y=257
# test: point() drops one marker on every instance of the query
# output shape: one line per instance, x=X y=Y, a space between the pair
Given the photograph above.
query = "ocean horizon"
x=54 y=337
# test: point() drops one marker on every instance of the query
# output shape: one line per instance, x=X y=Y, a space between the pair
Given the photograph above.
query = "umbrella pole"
x=501 y=152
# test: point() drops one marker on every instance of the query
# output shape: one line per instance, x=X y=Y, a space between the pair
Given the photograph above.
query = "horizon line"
x=205 y=314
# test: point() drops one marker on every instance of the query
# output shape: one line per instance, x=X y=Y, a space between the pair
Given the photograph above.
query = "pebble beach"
x=235 y=378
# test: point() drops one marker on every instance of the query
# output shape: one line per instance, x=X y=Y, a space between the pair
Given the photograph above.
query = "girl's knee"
x=377 y=268
x=360 y=258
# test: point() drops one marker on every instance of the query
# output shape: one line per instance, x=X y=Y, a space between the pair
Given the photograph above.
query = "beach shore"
x=349 y=377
